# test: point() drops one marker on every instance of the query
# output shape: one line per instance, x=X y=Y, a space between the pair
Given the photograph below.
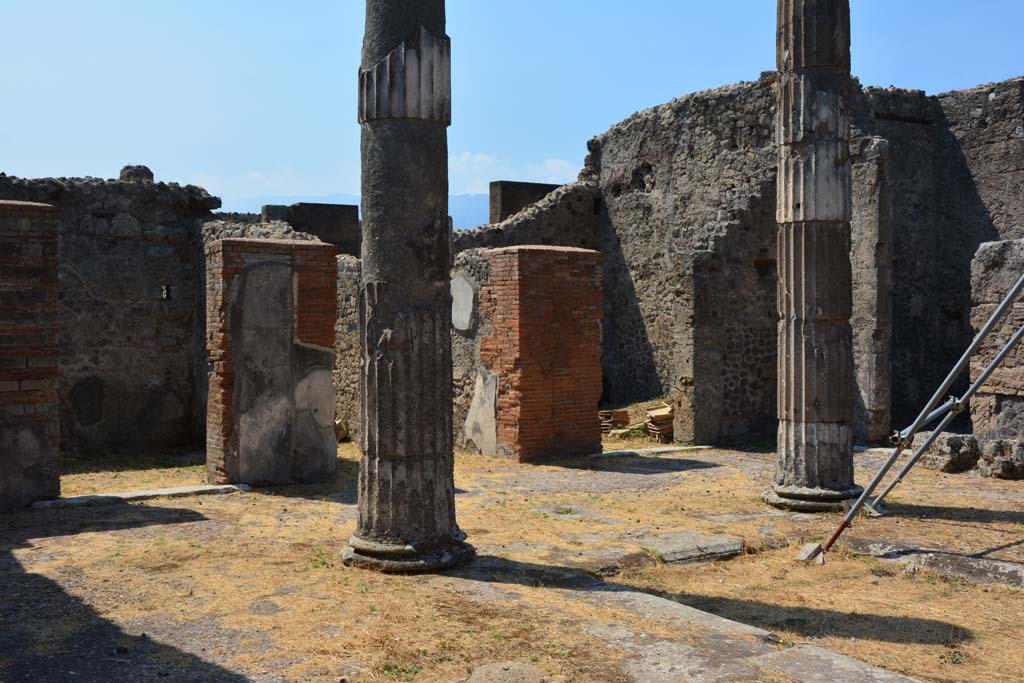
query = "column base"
x=804 y=499
x=404 y=559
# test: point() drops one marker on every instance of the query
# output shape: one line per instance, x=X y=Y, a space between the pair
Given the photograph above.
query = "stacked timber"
x=613 y=419
x=659 y=423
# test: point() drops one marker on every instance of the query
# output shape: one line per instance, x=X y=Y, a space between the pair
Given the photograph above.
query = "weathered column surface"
x=815 y=380
x=406 y=490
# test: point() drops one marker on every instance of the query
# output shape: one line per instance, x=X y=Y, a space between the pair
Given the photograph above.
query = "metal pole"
x=962 y=401
x=908 y=434
x=934 y=415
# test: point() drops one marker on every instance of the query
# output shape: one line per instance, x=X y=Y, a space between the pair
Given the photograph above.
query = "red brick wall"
x=28 y=352
x=315 y=273
x=545 y=304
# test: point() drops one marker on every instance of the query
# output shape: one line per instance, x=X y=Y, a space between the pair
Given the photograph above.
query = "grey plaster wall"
x=283 y=403
x=248 y=226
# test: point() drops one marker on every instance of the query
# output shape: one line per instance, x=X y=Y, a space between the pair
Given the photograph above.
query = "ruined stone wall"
x=346 y=350
x=565 y=217
x=687 y=229
x=131 y=285
x=997 y=410
x=29 y=420
x=271 y=312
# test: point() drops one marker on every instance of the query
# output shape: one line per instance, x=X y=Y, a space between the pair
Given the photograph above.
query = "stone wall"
x=346 y=350
x=540 y=360
x=997 y=410
x=471 y=274
x=271 y=312
x=956 y=182
x=131 y=285
x=871 y=260
x=29 y=420
x=565 y=217
x=687 y=227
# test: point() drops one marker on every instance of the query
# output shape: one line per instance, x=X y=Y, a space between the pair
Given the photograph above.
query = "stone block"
x=949 y=453
x=1001 y=459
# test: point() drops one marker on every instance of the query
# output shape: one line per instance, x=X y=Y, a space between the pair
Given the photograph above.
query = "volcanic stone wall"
x=29 y=421
x=130 y=288
x=271 y=312
x=565 y=217
x=474 y=388
x=687 y=228
x=956 y=181
x=997 y=410
x=683 y=199
x=346 y=350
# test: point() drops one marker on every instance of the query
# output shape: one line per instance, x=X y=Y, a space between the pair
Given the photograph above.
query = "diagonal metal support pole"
x=960 y=404
x=907 y=435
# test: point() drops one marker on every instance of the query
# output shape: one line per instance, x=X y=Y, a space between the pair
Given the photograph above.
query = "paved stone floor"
x=653 y=566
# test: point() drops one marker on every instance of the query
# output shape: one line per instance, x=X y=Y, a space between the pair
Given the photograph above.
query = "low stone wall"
x=271 y=312
x=540 y=361
x=29 y=420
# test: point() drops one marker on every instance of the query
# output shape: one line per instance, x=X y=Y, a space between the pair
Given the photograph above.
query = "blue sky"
x=255 y=100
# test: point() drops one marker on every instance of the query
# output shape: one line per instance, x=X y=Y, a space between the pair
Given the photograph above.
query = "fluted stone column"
x=815 y=380
x=406 y=491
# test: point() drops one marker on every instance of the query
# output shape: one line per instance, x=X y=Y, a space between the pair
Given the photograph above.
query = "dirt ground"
x=250 y=587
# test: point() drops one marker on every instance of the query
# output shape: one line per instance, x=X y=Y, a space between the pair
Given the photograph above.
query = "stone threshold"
x=96 y=499
x=971 y=567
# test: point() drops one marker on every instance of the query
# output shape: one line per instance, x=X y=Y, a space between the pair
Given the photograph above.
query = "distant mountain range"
x=467 y=210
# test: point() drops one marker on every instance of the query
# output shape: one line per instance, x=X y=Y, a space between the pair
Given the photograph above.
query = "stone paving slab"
x=970 y=567
x=146 y=494
x=685 y=547
x=709 y=649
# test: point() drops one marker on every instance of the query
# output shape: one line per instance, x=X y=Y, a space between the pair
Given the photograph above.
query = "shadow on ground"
x=808 y=621
x=50 y=636
x=633 y=464
x=957 y=514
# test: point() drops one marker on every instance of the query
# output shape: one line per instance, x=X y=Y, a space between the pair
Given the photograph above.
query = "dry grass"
x=263 y=568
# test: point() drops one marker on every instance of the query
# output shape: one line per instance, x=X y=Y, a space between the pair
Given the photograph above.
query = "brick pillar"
x=545 y=306
x=29 y=421
x=270 y=309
